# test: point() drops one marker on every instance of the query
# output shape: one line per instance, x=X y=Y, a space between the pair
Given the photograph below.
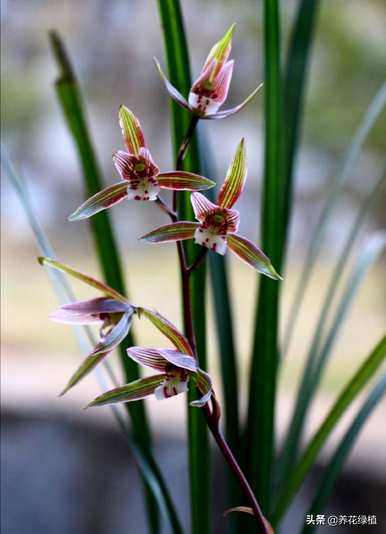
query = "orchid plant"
x=181 y=367
x=215 y=230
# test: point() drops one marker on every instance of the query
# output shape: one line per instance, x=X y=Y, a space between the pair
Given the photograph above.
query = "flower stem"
x=212 y=416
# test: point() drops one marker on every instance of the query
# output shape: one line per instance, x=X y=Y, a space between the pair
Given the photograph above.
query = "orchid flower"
x=176 y=367
x=112 y=311
x=218 y=222
x=140 y=176
x=210 y=89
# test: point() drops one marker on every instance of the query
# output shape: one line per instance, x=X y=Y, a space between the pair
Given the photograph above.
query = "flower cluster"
x=216 y=229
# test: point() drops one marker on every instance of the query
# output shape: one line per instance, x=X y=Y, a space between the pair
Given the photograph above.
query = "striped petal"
x=89 y=311
x=228 y=112
x=116 y=335
x=148 y=357
x=184 y=181
x=204 y=383
x=137 y=390
x=168 y=329
x=201 y=206
x=221 y=50
x=89 y=280
x=235 y=178
x=173 y=92
x=252 y=255
x=124 y=163
x=171 y=232
x=106 y=198
x=131 y=130
x=184 y=361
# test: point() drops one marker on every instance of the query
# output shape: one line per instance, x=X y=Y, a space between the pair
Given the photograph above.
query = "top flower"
x=210 y=89
x=140 y=176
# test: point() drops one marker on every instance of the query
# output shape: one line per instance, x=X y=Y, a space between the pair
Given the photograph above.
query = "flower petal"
x=50 y=262
x=168 y=329
x=100 y=201
x=173 y=92
x=252 y=255
x=221 y=50
x=116 y=335
x=131 y=130
x=228 y=112
x=185 y=361
x=184 y=181
x=235 y=178
x=170 y=388
x=136 y=390
x=204 y=383
x=201 y=206
x=148 y=357
x=124 y=163
x=210 y=240
x=171 y=232
x=88 y=311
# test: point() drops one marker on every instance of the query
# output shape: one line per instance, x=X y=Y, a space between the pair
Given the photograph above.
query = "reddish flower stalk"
x=212 y=416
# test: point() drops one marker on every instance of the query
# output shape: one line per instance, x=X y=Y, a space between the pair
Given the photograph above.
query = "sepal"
x=102 y=200
x=252 y=255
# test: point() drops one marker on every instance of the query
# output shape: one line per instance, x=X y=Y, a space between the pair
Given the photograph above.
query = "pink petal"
x=137 y=390
x=171 y=232
x=235 y=178
x=228 y=112
x=131 y=130
x=252 y=255
x=88 y=311
x=124 y=163
x=148 y=357
x=179 y=359
x=222 y=82
x=184 y=181
x=168 y=329
x=173 y=92
x=201 y=206
x=106 y=198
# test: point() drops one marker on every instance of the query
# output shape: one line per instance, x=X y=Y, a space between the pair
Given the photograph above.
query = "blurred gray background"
x=112 y=45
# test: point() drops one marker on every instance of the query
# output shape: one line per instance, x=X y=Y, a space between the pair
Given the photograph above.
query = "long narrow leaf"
x=146 y=463
x=373 y=112
x=358 y=382
x=294 y=86
x=332 y=470
x=317 y=356
x=260 y=440
x=69 y=96
x=179 y=75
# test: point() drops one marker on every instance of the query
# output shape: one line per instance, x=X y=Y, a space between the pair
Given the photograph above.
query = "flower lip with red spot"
x=218 y=222
x=140 y=176
x=210 y=89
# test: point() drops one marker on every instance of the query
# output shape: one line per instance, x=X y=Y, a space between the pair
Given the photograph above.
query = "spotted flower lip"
x=218 y=222
x=210 y=89
x=140 y=176
x=177 y=367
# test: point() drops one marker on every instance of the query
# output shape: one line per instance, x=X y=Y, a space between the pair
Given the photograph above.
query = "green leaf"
x=319 y=351
x=68 y=93
x=264 y=362
x=146 y=463
x=334 y=466
x=355 y=386
x=294 y=86
x=179 y=75
x=372 y=114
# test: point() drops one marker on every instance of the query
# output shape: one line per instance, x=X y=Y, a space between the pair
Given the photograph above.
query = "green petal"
x=136 y=390
x=89 y=280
